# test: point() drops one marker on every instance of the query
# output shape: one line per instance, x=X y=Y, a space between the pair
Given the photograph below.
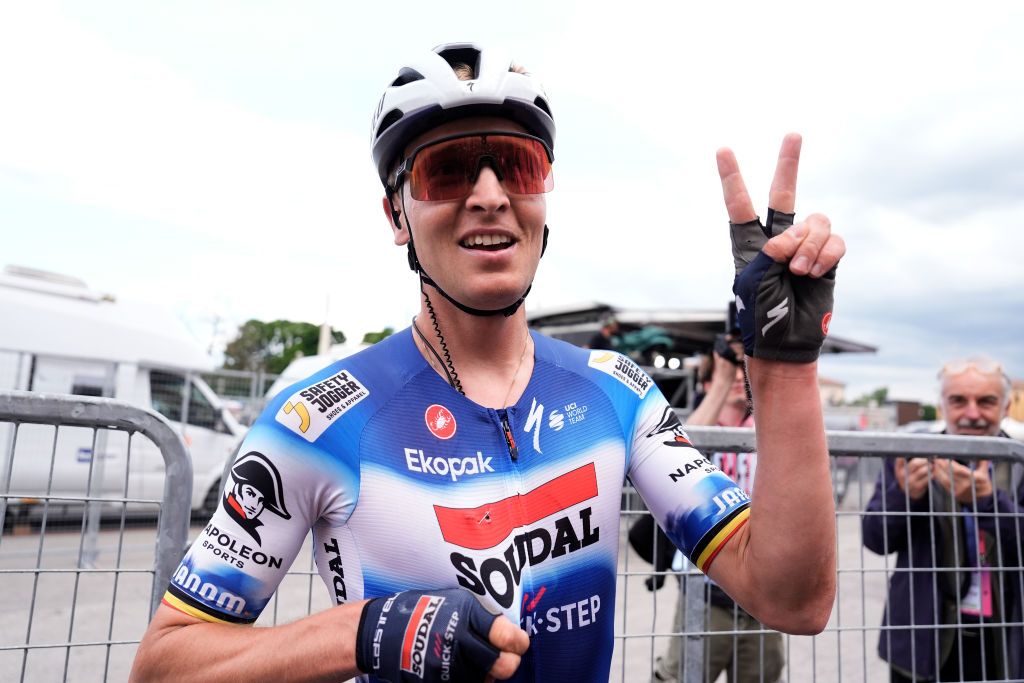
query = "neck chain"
x=515 y=374
x=454 y=382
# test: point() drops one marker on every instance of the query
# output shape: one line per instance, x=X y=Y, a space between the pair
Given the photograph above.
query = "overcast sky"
x=213 y=157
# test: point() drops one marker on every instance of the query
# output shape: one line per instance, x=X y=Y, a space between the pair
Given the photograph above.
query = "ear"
x=394 y=214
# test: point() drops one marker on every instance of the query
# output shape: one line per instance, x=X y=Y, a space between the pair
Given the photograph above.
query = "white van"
x=58 y=336
x=304 y=366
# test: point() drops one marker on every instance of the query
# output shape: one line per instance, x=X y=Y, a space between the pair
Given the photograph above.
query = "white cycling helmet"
x=427 y=93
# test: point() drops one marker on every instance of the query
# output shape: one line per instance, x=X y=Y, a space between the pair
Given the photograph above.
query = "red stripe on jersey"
x=488 y=525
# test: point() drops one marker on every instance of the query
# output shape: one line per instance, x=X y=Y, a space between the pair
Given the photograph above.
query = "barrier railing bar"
x=738 y=439
x=83 y=411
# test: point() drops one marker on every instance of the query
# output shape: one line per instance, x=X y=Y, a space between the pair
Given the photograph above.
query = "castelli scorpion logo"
x=440 y=421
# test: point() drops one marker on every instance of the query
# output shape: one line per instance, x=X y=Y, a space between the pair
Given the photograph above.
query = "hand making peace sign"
x=785 y=273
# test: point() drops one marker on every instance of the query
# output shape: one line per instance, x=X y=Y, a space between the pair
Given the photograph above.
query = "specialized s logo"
x=255 y=487
x=310 y=411
x=670 y=423
x=440 y=421
x=417 y=634
x=775 y=315
x=485 y=526
x=556 y=420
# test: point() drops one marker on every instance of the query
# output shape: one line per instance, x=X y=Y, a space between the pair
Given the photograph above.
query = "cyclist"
x=462 y=478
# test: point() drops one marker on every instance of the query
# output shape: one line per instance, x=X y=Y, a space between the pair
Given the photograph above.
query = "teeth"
x=486 y=240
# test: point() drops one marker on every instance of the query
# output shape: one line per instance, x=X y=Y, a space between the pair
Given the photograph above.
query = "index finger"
x=512 y=642
x=508 y=637
x=782 y=196
x=737 y=199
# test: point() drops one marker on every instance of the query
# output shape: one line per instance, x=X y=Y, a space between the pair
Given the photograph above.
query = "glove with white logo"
x=782 y=316
x=437 y=635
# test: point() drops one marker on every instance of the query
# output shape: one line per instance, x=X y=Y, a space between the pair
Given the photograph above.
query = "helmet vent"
x=389 y=120
x=539 y=102
x=406 y=75
x=464 y=55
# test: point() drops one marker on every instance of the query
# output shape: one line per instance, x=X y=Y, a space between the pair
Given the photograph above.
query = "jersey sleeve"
x=698 y=506
x=272 y=497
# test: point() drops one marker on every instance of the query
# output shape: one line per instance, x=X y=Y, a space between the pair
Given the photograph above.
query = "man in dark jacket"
x=938 y=515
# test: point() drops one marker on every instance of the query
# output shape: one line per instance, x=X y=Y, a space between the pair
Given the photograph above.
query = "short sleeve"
x=698 y=506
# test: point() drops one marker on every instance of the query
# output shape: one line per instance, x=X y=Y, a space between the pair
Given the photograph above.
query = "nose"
x=971 y=411
x=488 y=193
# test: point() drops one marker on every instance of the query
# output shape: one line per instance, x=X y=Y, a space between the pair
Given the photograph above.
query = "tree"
x=374 y=337
x=271 y=346
x=877 y=397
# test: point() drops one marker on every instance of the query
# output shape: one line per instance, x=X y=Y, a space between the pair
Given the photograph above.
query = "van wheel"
x=211 y=501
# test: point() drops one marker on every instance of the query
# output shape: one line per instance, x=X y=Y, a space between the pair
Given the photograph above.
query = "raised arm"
x=781 y=565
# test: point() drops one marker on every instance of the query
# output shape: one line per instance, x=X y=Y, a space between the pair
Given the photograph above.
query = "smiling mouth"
x=487 y=242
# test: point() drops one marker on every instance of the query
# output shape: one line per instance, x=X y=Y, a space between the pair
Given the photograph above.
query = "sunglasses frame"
x=985 y=366
x=405 y=169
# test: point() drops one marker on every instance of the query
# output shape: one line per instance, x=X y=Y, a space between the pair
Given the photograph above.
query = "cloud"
x=219 y=158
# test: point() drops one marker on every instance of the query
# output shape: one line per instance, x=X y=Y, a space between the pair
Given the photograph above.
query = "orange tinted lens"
x=448 y=169
x=524 y=164
x=444 y=171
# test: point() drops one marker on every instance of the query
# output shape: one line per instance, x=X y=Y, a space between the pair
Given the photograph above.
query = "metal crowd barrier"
x=71 y=587
x=847 y=649
x=53 y=601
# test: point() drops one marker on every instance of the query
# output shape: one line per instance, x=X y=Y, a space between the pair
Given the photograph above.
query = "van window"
x=165 y=394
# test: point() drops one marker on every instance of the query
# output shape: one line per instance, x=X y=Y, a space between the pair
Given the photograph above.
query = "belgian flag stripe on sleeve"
x=181 y=601
x=713 y=541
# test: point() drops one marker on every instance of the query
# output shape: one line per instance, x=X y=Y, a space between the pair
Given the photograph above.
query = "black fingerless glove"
x=782 y=316
x=426 y=636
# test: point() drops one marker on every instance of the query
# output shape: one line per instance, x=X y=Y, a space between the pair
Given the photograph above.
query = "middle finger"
x=782 y=196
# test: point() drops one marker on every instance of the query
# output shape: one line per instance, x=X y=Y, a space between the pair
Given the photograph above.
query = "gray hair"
x=980 y=364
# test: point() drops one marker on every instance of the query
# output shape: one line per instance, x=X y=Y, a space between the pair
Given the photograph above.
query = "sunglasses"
x=985 y=366
x=448 y=168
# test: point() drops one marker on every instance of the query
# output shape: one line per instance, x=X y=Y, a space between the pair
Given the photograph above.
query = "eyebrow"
x=979 y=399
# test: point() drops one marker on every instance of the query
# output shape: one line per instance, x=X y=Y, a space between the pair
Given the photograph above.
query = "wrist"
x=782 y=369
x=781 y=376
x=360 y=657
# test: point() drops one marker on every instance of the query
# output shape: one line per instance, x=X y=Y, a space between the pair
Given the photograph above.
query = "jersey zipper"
x=510 y=440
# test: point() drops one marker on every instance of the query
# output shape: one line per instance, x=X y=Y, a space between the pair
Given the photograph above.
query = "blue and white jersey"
x=407 y=484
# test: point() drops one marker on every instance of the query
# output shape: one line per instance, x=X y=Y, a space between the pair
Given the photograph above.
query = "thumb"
x=782 y=247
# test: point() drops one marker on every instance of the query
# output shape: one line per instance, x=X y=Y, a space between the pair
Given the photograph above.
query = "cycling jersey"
x=408 y=484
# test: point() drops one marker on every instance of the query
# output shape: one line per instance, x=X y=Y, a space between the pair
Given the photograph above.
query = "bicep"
x=167 y=619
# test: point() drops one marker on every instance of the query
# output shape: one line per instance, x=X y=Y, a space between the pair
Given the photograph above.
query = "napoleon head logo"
x=670 y=423
x=255 y=488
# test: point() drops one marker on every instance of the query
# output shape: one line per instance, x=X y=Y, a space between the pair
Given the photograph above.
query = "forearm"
x=886 y=523
x=792 y=524
x=1000 y=515
x=320 y=647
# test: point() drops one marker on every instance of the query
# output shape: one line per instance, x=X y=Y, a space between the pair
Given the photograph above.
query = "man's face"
x=250 y=499
x=489 y=275
x=973 y=403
